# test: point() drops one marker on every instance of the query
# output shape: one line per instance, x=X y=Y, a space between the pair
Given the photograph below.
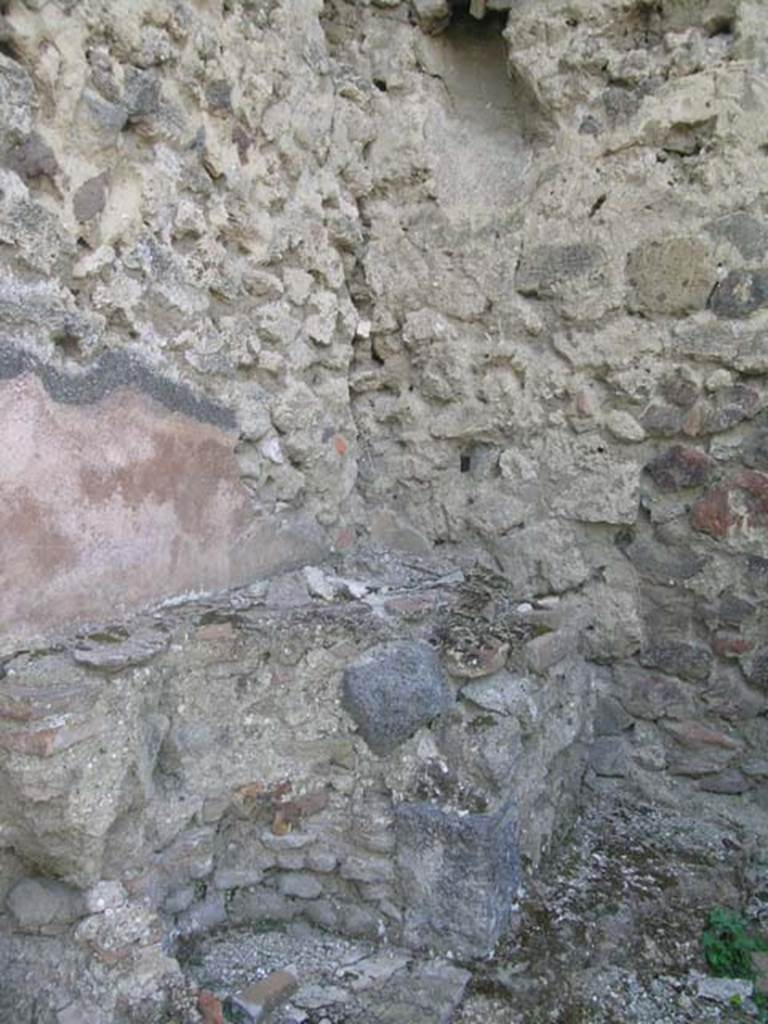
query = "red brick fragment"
x=712 y=513
x=726 y=645
x=696 y=736
x=345 y=539
x=260 y=999
x=48 y=741
x=209 y=1007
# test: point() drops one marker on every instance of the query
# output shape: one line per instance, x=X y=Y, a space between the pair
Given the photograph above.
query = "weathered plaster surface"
x=117 y=503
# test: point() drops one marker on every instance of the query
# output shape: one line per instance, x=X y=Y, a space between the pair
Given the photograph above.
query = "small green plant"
x=728 y=945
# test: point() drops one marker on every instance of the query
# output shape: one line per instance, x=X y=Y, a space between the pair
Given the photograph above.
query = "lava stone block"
x=392 y=691
x=459 y=875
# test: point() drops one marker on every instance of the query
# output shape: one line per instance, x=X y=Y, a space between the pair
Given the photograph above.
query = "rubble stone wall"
x=382 y=397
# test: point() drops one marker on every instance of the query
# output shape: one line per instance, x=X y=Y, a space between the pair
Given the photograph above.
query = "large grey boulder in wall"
x=392 y=691
x=459 y=875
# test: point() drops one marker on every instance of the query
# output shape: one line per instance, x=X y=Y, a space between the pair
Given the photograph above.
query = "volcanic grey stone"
x=608 y=757
x=459 y=874
x=677 y=658
x=610 y=717
x=731 y=781
x=88 y=201
x=219 y=95
x=662 y=562
x=754 y=451
x=757 y=668
x=748 y=234
x=107 y=119
x=33 y=159
x=17 y=102
x=544 y=267
x=300 y=884
x=392 y=691
x=44 y=904
x=740 y=294
x=142 y=93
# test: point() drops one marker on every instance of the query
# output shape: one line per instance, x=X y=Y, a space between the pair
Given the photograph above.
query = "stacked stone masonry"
x=382 y=390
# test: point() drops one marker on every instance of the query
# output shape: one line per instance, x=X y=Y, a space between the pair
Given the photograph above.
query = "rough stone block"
x=671 y=275
x=608 y=757
x=260 y=905
x=459 y=874
x=624 y=427
x=594 y=486
x=89 y=200
x=504 y=693
x=680 y=467
x=677 y=658
x=105 y=119
x=543 y=268
x=301 y=884
x=697 y=736
x=433 y=15
x=729 y=782
x=392 y=691
x=740 y=294
x=39 y=904
x=662 y=420
x=323 y=913
x=544 y=652
x=728 y=343
x=754 y=450
x=17 y=101
x=610 y=717
x=34 y=159
x=678 y=389
x=648 y=696
x=142 y=92
x=662 y=563
x=134 y=650
x=747 y=234
x=757 y=669
x=203 y=916
x=369 y=868
x=104 y=896
x=730 y=405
